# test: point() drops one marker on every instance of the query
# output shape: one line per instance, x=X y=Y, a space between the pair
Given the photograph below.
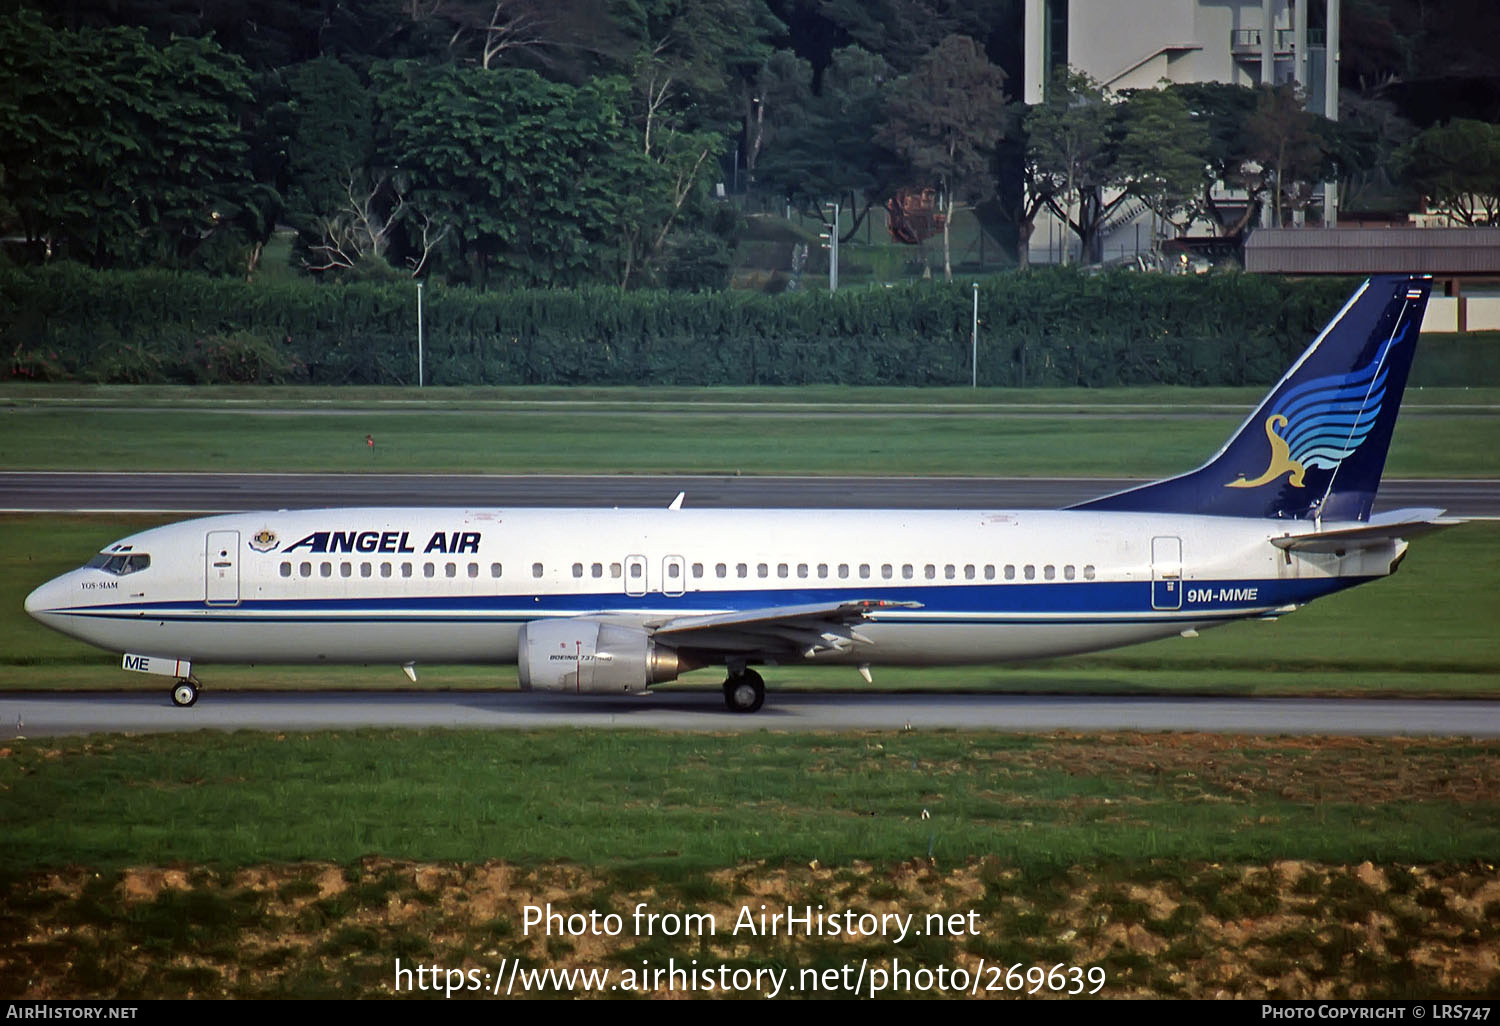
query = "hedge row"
x=1043 y=327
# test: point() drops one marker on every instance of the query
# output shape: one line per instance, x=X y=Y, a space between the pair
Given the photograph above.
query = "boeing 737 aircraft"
x=589 y=601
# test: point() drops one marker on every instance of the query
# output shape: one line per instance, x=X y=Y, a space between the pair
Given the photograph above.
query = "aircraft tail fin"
x=1316 y=445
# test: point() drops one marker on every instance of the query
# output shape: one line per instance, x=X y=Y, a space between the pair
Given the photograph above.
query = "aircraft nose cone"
x=41 y=600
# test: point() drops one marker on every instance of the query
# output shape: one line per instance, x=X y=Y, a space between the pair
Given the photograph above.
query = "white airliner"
x=597 y=601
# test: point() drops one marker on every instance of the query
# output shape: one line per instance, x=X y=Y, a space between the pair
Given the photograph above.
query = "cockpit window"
x=118 y=563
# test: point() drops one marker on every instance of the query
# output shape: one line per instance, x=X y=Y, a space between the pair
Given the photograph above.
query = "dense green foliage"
x=1058 y=328
x=133 y=156
x=556 y=143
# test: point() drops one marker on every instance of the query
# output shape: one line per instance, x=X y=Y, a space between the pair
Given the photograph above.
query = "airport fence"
x=1041 y=327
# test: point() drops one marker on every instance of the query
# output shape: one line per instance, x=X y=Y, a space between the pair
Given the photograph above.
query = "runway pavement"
x=43 y=714
x=194 y=493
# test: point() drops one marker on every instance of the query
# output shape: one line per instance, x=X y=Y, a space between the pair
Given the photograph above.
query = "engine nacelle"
x=590 y=657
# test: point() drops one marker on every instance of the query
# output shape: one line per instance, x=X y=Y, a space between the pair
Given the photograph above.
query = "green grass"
x=698 y=801
x=1130 y=434
x=1429 y=630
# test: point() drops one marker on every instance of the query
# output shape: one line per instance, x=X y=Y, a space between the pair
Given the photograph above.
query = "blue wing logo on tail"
x=1322 y=422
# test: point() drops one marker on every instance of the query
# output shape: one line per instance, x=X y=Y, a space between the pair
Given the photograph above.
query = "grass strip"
x=668 y=438
x=695 y=801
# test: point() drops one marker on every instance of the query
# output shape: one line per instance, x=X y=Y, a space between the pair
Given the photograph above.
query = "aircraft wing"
x=807 y=630
x=1381 y=529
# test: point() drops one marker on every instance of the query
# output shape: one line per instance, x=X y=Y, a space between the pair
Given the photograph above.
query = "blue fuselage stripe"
x=1061 y=601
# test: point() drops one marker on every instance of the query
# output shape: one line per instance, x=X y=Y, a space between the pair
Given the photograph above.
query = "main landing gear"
x=744 y=691
x=184 y=692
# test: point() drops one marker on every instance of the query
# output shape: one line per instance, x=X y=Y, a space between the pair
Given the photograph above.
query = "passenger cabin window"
x=536 y=570
x=495 y=570
x=286 y=569
x=614 y=571
x=385 y=569
x=697 y=570
x=907 y=570
x=428 y=570
x=989 y=571
x=864 y=571
x=843 y=571
x=741 y=570
x=305 y=570
x=1010 y=572
x=822 y=571
x=346 y=569
x=405 y=569
x=801 y=569
x=473 y=570
x=1030 y=572
x=450 y=569
x=1068 y=572
x=577 y=569
x=1088 y=572
x=721 y=570
x=929 y=571
x=781 y=570
x=1049 y=572
x=762 y=570
x=325 y=569
x=968 y=571
x=364 y=569
x=887 y=571
x=596 y=570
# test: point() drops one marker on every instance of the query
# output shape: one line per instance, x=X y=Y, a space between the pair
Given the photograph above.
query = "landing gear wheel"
x=744 y=692
x=184 y=693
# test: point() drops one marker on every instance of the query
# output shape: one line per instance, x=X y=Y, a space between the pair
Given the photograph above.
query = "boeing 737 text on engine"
x=614 y=601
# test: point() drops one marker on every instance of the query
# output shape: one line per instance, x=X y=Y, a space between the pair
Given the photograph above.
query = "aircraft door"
x=673 y=575
x=221 y=568
x=635 y=575
x=1166 y=573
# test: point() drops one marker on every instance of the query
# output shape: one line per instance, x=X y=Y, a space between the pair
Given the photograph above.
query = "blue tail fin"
x=1316 y=445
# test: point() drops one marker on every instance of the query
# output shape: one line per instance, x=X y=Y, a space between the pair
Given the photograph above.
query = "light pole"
x=974 y=342
x=832 y=235
x=419 y=334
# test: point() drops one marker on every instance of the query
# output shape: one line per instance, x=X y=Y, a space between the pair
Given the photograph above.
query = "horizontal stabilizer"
x=1397 y=525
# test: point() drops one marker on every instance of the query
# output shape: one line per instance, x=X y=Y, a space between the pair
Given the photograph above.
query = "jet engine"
x=593 y=657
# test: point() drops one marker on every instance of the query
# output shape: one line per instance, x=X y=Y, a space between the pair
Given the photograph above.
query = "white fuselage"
x=397 y=585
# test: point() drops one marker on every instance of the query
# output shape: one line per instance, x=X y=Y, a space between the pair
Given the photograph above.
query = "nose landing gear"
x=184 y=692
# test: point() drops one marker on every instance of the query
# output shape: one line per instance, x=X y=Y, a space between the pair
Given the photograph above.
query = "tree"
x=694 y=73
x=1162 y=155
x=1290 y=145
x=119 y=152
x=827 y=146
x=329 y=142
x=946 y=118
x=537 y=179
x=1222 y=110
x=1366 y=145
x=566 y=40
x=1457 y=167
x=1072 y=155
